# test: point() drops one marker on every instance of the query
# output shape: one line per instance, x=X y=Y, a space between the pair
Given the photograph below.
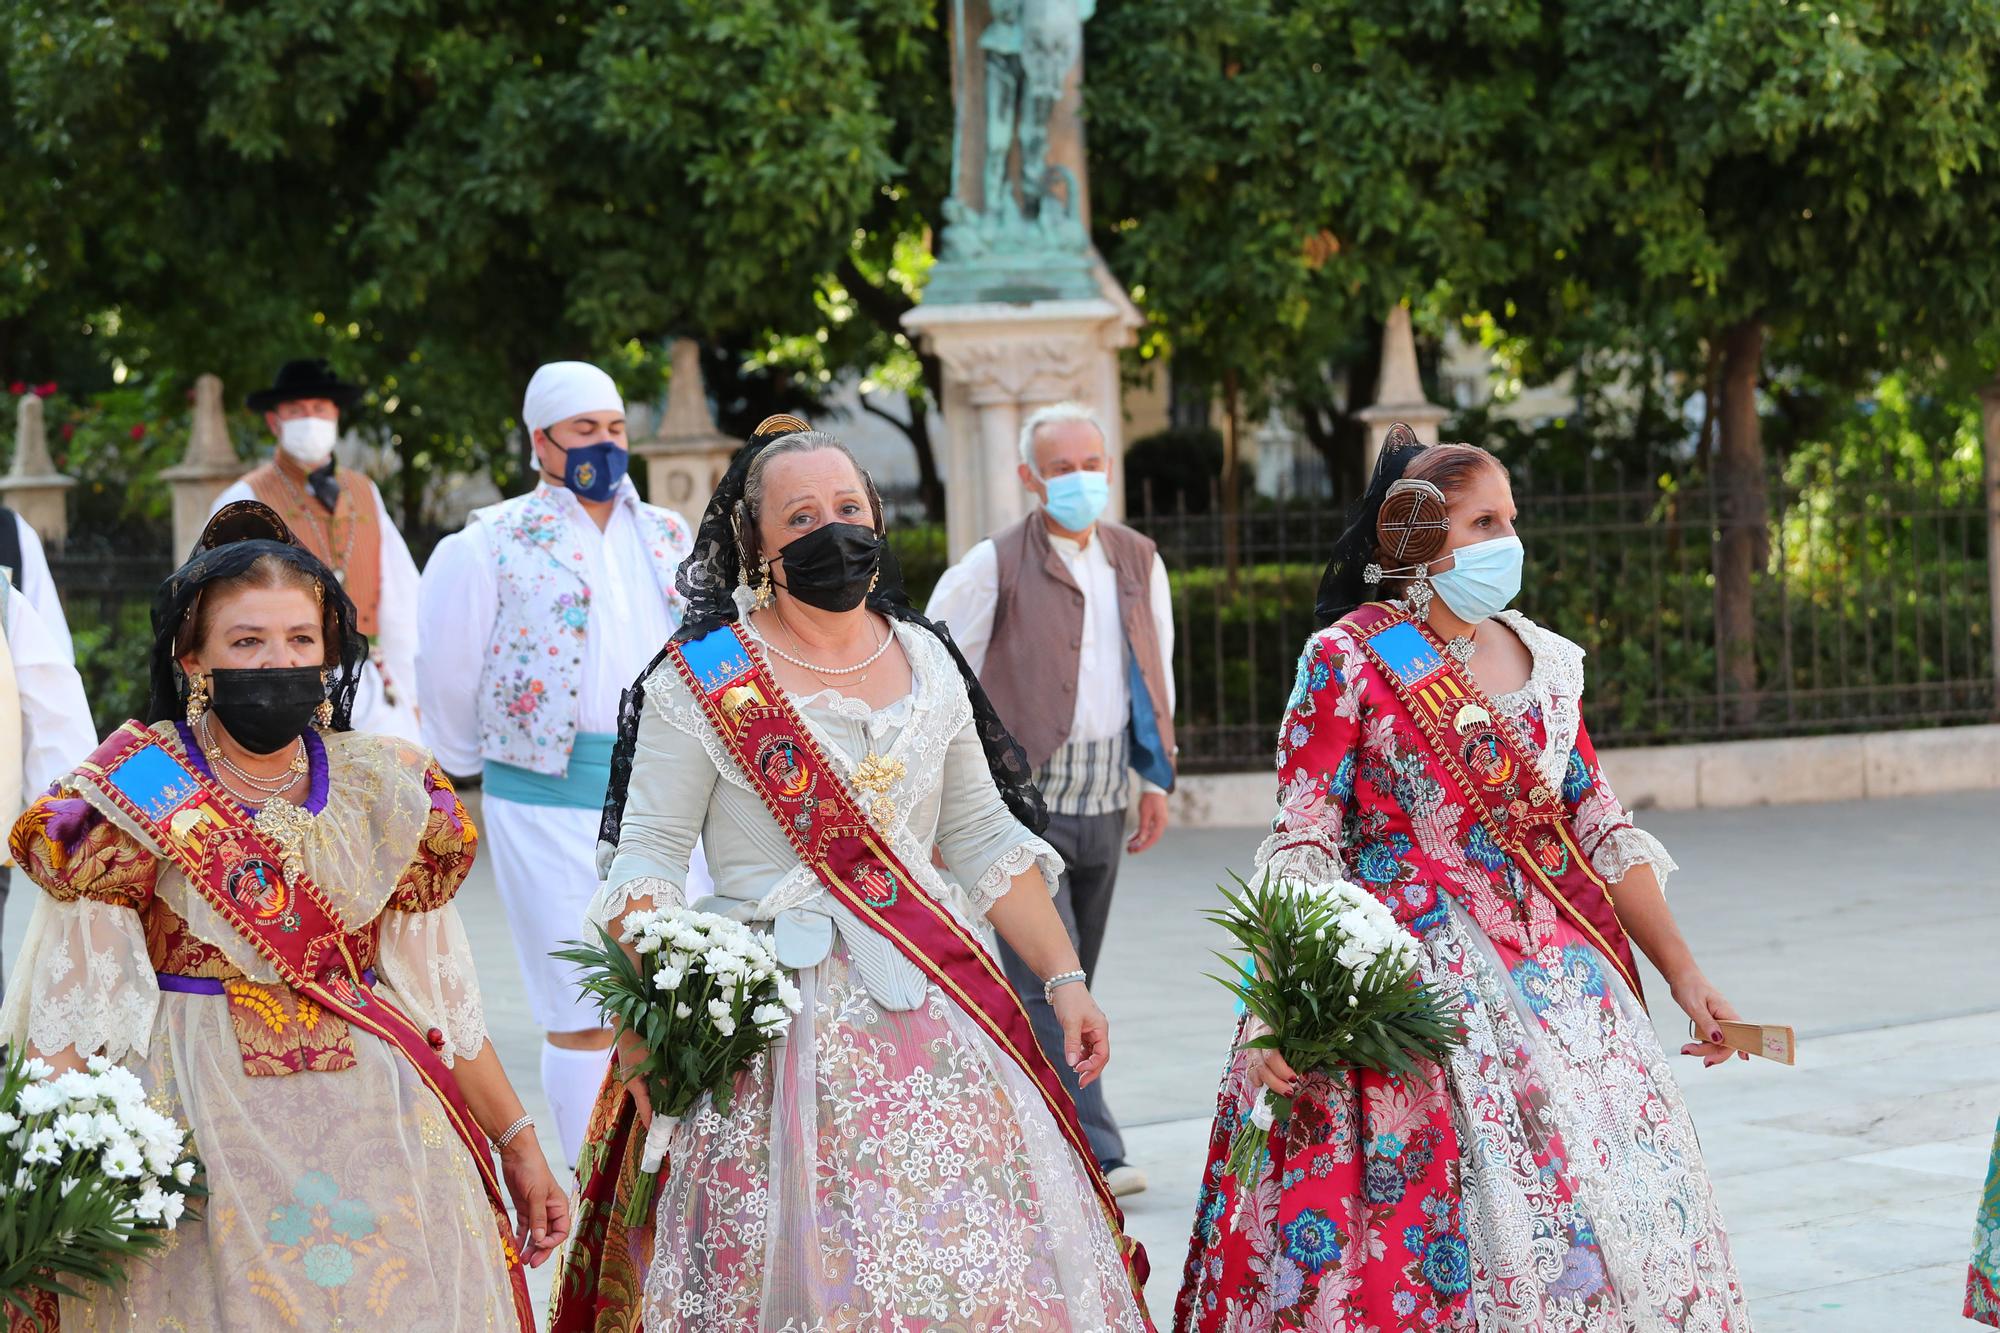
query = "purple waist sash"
x=184 y=985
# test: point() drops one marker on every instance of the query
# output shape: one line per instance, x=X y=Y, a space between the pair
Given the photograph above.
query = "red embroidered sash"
x=1496 y=778
x=289 y=922
x=831 y=834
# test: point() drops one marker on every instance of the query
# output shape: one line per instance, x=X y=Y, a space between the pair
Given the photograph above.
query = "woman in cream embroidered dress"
x=1579 y=1202
x=886 y=1167
x=339 y=1198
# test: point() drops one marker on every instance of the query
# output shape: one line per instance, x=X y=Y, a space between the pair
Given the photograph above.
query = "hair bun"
x=1414 y=524
x=244 y=521
x=779 y=424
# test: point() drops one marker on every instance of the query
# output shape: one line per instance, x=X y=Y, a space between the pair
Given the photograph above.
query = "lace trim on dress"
x=87 y=981
x=1301 y=857
x=427 y=959
x=649 y=892
x=1630 y=846
x=994 y=885
x=1555 y=687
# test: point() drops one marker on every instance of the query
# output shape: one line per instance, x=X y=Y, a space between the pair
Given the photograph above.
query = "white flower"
x=69 y=1183
x=1353 y=1001
x=718 y=1008
x=1261 y=1114
x=42 y=1147
x=151 y=1205
x=170 y=1213
x=121 y=1161
x=771 y=1016
x=39 y=1099
x=683 y=1011
x=37 y=1068
x=97 y=1064
x=9 y=1122
x=666 y=978
x=78 y=1129
x=726 y=1026
x=184 y=1174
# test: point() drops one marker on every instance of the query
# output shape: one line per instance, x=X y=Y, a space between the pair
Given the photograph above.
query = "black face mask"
x=265 y=711
x=832 y=566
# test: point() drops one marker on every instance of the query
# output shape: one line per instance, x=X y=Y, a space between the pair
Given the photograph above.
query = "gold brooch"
x=875 y=775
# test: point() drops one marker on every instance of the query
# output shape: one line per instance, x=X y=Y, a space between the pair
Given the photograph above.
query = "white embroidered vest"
x=528 y=693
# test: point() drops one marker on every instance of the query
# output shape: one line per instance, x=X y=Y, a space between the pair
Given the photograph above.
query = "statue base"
x=1011 y=278
x=1002 y=362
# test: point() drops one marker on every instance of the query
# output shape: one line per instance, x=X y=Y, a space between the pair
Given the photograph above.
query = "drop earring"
x=323 y=715
x=197 y=700
x=764 y=595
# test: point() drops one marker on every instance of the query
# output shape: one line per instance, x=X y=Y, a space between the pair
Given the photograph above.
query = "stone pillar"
x=1003 y=361
x=206 y=470
x=687 y=455
x=1399 y=390
x=32 y=487
x=1989 y=411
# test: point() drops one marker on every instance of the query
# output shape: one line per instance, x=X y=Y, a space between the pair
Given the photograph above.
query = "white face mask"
x=309 y=440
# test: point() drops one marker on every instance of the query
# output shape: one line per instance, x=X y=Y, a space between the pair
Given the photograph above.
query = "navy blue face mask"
x=593 y=471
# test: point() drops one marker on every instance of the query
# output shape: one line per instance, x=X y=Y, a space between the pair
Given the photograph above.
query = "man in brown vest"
x=1067 y=618
x=338 y=513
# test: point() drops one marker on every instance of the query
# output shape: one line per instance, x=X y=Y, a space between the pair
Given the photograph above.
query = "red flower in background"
x=46 y=390
x=139 y=431
x=17 y=388
x=69 y=430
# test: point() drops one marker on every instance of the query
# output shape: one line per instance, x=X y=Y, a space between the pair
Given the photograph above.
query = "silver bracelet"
x=506 y=1136
x=1061 y=979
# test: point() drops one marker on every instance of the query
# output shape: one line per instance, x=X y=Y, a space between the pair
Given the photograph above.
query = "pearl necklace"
x=862 y=665
x=267 y=786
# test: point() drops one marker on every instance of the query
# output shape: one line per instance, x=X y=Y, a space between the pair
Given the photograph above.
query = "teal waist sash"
x=581 y=788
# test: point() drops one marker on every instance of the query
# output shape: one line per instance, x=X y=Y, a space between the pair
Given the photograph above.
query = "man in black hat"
x=338 y=513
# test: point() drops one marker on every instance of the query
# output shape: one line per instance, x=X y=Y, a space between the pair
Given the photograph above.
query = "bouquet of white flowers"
x=1331 y=976
x=706 y=997
x=91 y=1177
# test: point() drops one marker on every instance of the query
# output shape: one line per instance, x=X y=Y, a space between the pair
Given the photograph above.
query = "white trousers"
x=545 y=865
x=374 y=713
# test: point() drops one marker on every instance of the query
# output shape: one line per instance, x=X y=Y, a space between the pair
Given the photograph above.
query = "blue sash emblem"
x=154 y=781
x=716 y=658
x=1405 y=651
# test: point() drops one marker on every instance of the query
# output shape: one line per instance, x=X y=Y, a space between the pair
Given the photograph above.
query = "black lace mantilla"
x=708 y=579
x=238 y=537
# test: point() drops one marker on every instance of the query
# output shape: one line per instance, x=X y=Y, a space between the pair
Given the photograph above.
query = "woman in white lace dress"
x=341 y=1108
x=891 y=1165
x=1547 y=1179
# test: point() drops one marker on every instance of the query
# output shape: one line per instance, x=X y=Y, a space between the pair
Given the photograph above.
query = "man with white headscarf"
x=533 y=619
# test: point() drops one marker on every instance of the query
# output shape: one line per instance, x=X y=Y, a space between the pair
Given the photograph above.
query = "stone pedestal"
x=1399 y=390
x=686 y=457
x=32 y=487
x=1001 y=363
x=206 y=470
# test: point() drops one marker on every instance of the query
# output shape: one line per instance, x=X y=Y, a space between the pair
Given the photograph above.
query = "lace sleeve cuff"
x=84 y=981
x=998 y=878
x=649 y=892
x=1304 y=858
x=1623 y=848
x=427 y=959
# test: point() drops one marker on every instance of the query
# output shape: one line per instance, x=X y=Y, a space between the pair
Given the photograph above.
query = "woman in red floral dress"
x=1548 y=1177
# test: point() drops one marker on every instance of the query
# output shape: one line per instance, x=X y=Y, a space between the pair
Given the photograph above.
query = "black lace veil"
x=708 y=579
x=1342 y=587
x=238 y=537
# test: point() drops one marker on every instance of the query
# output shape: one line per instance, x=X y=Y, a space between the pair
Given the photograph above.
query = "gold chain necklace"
x=300 y=502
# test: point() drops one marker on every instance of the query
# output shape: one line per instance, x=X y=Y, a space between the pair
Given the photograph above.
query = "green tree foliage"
x=437 y=194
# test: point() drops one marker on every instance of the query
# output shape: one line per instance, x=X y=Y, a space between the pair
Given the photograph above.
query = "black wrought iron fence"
x=107 y=595
x=1872 y=610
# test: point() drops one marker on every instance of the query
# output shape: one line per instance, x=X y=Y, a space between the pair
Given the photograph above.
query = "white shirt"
x=39 y=587
x=395 y=614
x=965 y=597
x=460 y=600
x=56 y=731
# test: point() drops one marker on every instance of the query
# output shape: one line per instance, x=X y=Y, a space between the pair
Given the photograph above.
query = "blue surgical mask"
x=1484 y=578
x=593 y=471
x=1077 y=498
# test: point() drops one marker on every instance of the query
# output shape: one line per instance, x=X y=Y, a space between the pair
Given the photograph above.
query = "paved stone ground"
x=1848 y=1182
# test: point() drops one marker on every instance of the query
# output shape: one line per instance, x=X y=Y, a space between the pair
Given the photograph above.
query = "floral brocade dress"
x=1548 y=1178
x=338 y=1196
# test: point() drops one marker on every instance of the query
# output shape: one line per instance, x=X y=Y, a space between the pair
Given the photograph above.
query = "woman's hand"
x=631 y=1055
x=1268 y=1067
x=1703 y=1003
x=1086 y=1032
x=541 y=1209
